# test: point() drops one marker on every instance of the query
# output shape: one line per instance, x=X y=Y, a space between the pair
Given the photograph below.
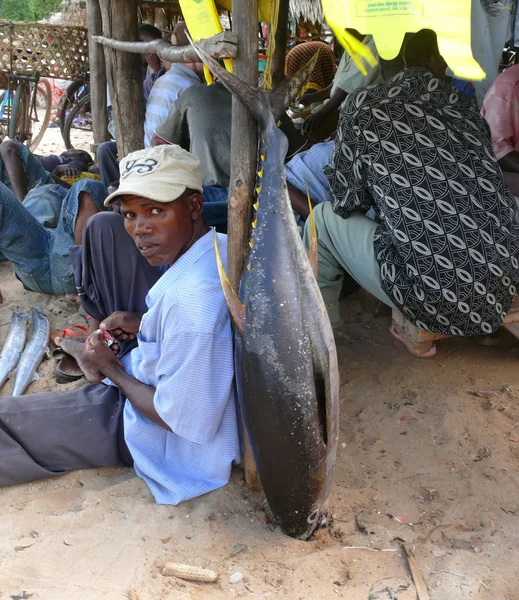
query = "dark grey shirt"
x=200 y=121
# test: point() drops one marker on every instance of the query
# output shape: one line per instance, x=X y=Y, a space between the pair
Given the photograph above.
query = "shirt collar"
x=183 y=71
x=181 y=266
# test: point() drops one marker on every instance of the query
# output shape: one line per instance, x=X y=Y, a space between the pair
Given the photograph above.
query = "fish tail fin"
x=236 y=308
x=312 y=248
x=255 y=100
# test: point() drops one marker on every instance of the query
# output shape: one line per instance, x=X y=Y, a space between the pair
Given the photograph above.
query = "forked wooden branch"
x=223 y=45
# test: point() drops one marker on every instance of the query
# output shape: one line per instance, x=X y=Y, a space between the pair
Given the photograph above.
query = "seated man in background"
x=501 y=111
x=43 y=220
x=445 y=251
x=167 y=406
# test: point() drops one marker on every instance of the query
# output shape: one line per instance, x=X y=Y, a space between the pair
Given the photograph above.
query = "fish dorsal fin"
x=236 y=308
x=312 y=247
x=36 y=377
x=46 y=350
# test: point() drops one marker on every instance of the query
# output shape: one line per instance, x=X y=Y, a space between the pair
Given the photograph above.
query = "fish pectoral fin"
x=36 y=377
x=46 y=349
x=312 y=247
x=236 y=308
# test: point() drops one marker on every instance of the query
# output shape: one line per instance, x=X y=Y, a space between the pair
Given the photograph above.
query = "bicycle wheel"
x=78 y=131
x=73 y=94
x=18 y=125
x=41 y=106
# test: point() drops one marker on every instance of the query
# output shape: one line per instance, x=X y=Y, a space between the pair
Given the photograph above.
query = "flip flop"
x=398 y=337
x=71 y=332
x=67 y=370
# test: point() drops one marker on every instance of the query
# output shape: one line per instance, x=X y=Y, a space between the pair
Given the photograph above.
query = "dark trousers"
x=48 y=434
x=108 y=163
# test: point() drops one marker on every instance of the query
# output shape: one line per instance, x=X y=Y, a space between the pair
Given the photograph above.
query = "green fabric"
x=344 y=244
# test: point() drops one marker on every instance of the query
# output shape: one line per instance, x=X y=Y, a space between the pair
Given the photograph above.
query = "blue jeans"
x=215 y=207
x=39 y=255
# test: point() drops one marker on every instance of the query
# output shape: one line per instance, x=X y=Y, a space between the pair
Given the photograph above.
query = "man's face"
x=162 y=231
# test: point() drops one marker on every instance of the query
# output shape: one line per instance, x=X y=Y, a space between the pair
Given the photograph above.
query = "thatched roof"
x=309 y=10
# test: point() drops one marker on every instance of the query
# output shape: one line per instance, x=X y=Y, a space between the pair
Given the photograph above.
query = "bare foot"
x=76 y=349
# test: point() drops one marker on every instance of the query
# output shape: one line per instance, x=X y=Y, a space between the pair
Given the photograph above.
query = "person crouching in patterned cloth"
x=444 y=246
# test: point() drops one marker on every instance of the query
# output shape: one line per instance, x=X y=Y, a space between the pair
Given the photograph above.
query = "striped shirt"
x=165 y=91
x=185 y=352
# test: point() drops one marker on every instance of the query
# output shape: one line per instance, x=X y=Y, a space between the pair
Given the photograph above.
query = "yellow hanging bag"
x=203 y=22
x=389 y=20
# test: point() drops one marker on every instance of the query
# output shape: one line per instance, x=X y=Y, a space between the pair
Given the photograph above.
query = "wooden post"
x=98 y=74
x=280 y=41
x=244 y=150
x=124 y=74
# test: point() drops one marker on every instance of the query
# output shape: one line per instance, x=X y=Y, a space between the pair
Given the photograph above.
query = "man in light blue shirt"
x=167 y=404
x=167 y=89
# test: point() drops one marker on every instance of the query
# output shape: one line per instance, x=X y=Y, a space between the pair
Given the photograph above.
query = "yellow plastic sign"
x=389 y=20
x=203 y=22
x=264 y=9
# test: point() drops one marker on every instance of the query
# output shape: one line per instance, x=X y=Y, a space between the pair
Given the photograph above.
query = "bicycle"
x=32 y=95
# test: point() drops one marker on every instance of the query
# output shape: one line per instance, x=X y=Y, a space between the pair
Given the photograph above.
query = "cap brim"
x=176 y=192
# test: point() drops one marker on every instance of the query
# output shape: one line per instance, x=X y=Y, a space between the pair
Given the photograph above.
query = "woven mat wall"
x=50 y=50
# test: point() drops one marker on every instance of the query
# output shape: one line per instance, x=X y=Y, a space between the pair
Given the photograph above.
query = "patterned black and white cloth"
x=448 y=242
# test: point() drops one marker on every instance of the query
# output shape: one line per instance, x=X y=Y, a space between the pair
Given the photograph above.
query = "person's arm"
x=15 y=168
x=315 y=119
x=170 y=131
x=510 y=162
x=316 y=96
x=299 y=201
x=98 y=355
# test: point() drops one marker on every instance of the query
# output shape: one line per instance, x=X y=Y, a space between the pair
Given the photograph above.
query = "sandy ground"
x=422 y=460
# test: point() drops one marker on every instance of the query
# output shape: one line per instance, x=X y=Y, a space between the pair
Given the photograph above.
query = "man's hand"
x=98 y=360
x=153 y=61
x=66 y=171
x=122 y=326
x=313 y=121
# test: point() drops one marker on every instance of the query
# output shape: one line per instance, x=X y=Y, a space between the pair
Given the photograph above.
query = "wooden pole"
x=280 y=41
x=244 y=150
x=98 y=74
x=124 y=74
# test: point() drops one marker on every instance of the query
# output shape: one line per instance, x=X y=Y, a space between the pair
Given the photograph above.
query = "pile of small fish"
x=26 y=362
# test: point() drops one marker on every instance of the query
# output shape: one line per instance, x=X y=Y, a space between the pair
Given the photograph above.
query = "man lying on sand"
x=167 y=403
x=40 y=220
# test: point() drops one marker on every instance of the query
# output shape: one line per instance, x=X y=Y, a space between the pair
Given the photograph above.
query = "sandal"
x=67 y=370
x=71 y=332
x=398 y=337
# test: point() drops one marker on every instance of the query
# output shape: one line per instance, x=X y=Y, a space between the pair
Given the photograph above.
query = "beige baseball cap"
x=160 y=173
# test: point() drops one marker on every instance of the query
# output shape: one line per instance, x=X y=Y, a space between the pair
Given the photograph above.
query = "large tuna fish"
x=13 y=345
x=286 y=363
x=32 y=356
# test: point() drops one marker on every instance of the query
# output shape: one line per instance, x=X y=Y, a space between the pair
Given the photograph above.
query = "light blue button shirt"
x=185 y=352
x=165 y=91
